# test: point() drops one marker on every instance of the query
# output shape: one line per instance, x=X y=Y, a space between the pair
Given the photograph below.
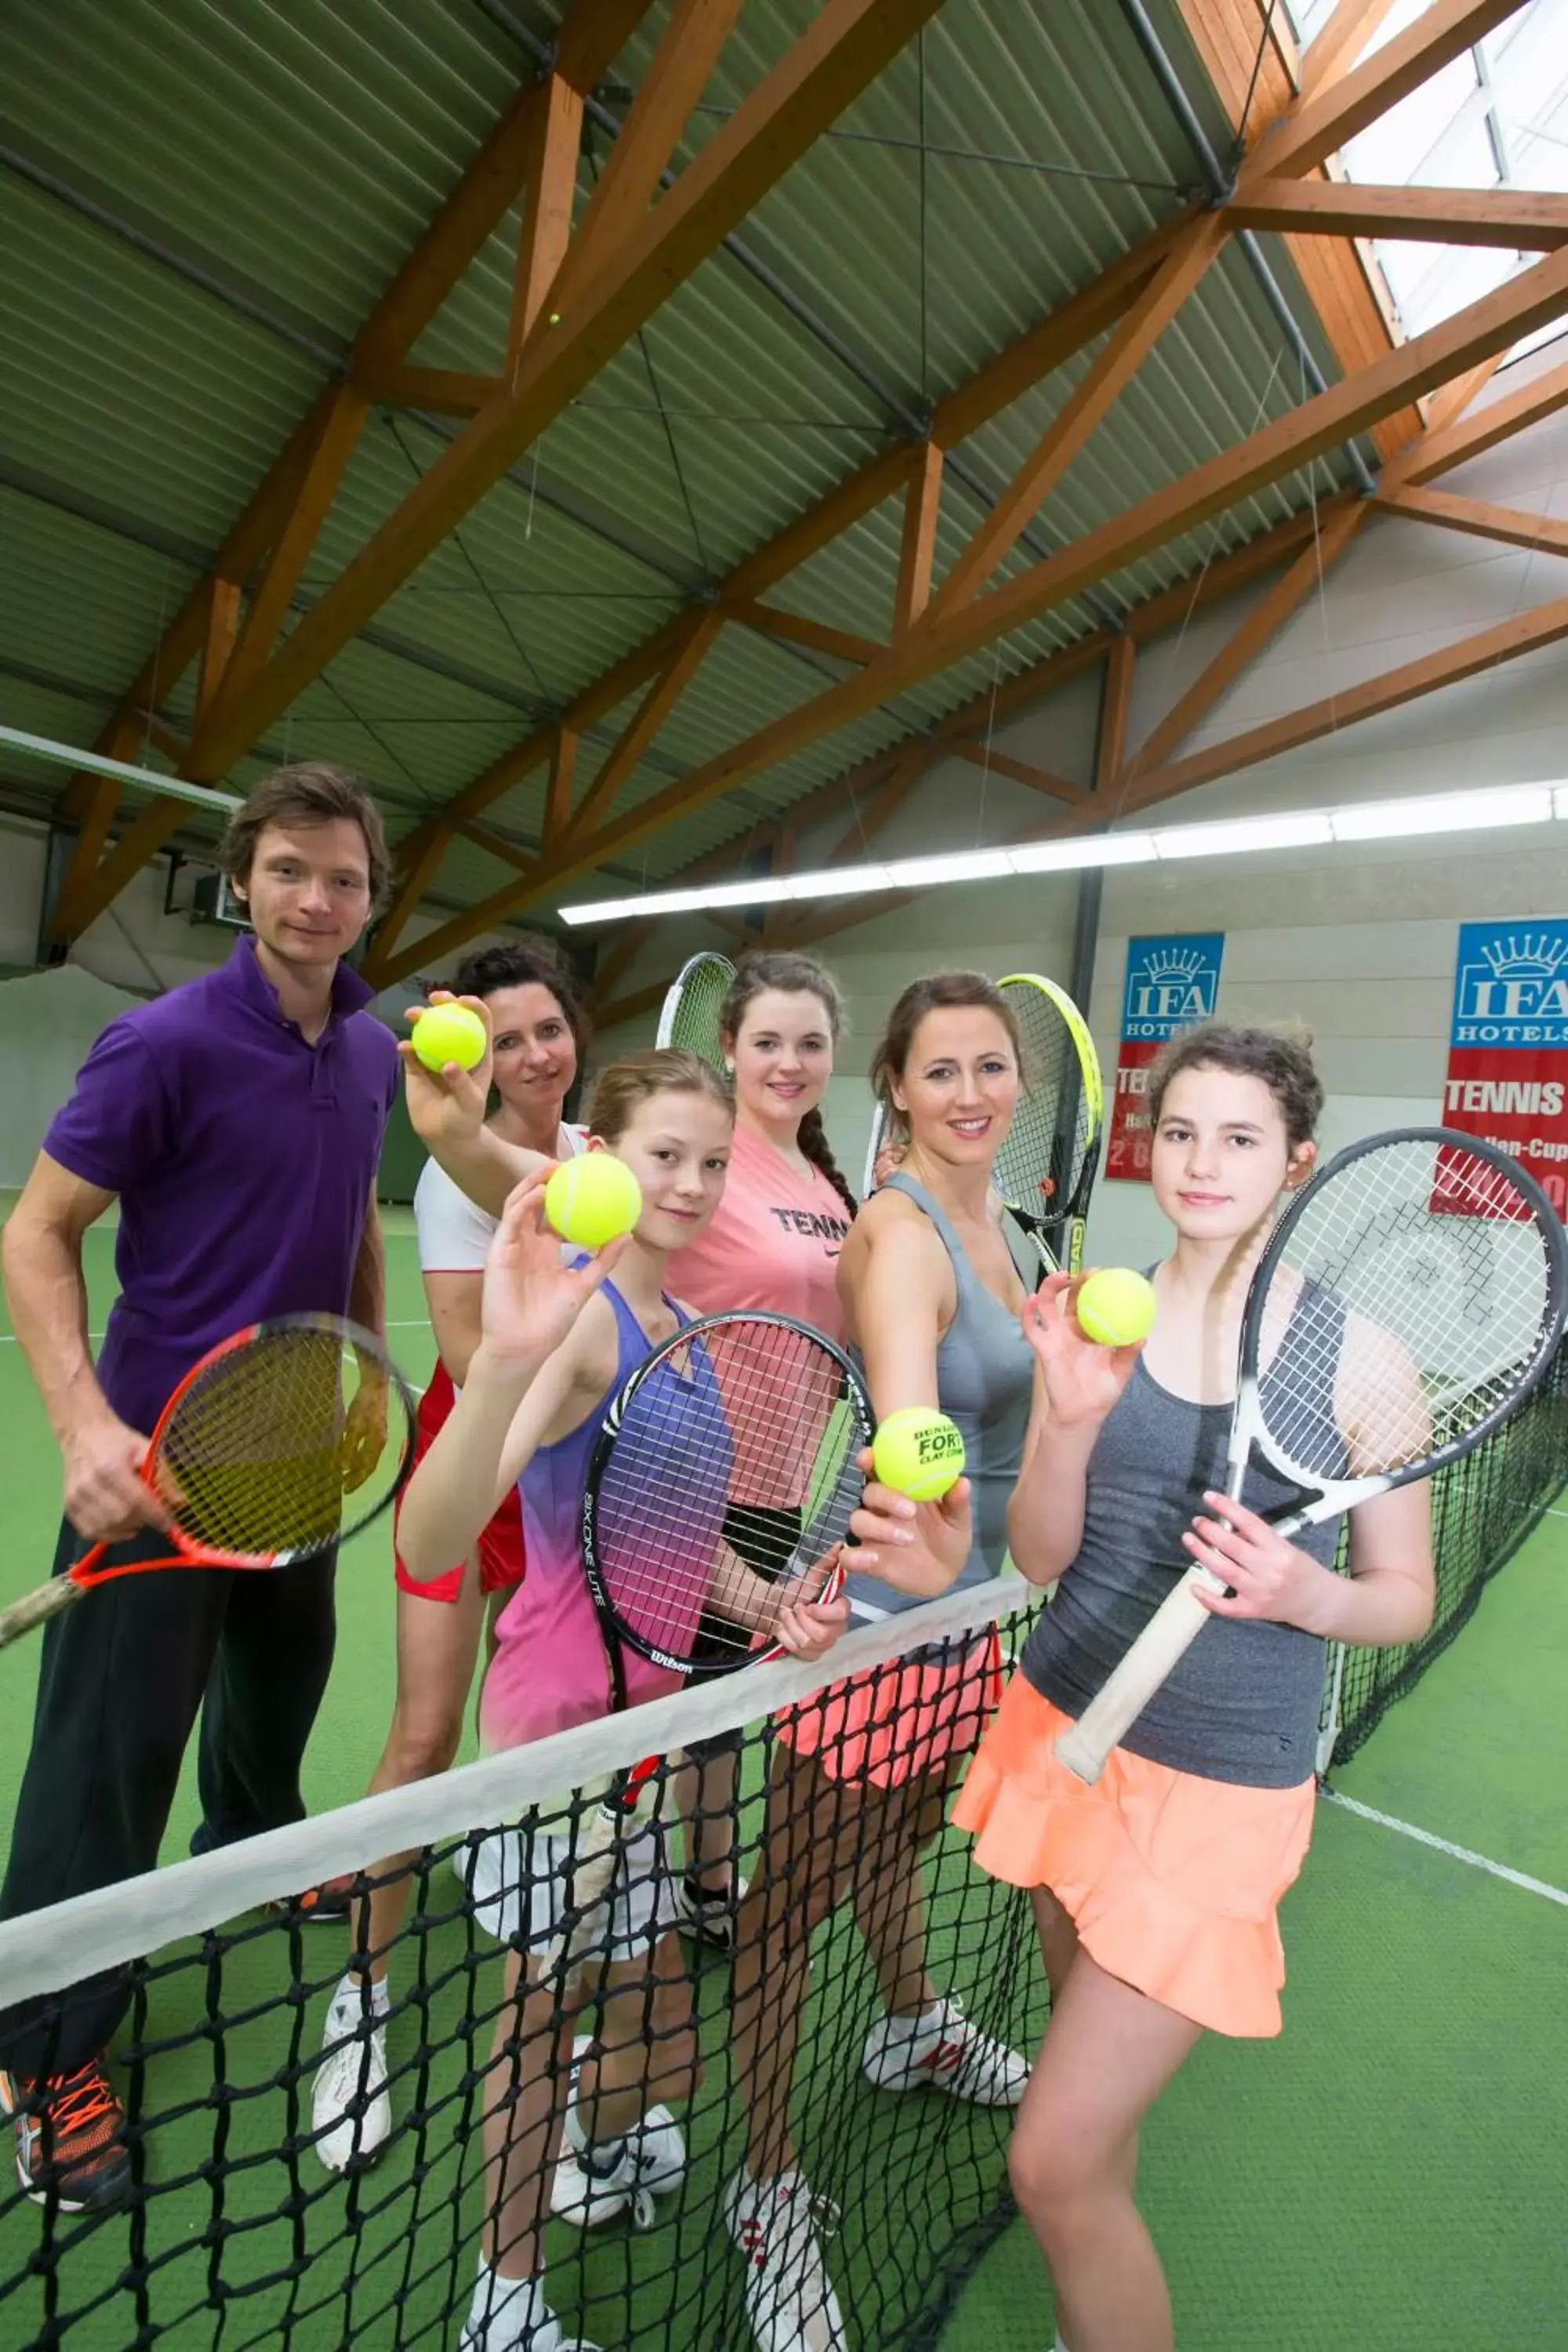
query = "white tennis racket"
x=693 y=1003
x=1410 y=1298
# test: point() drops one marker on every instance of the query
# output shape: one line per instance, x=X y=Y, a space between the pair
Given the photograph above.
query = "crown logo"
x=1173 y=963
x=1523 y=956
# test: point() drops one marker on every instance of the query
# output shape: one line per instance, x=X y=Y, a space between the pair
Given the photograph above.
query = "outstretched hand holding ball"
x=593 y=1199
x=449 y=1032
x=1115 y=1307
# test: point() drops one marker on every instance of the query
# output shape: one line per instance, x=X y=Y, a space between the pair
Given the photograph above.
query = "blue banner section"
x=1510 y=991
x=1171 y=984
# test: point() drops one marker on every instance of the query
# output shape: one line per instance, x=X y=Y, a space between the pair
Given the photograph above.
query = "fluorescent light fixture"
x=1233 y=835
x=957 y=866
x=1506 y=804
x=839 y=882
x=1089 y=849
x=1446 y=813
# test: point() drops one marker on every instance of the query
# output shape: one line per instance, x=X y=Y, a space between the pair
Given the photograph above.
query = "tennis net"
x=235 y=2234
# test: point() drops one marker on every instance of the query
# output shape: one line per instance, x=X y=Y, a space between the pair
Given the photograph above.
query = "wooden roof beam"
x=1533 y=298
x=846 y=44
x=1480 y=519
x=1516 y=220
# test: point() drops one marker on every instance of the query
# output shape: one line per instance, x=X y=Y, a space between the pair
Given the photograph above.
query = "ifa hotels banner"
x=1171 y=984
x=1508 y=1049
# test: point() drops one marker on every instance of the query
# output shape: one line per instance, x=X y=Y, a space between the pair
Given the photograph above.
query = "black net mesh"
x=247 y=2055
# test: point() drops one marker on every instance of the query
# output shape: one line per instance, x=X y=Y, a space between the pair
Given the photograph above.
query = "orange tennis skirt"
x=900 y=1722
x=1173 y=1882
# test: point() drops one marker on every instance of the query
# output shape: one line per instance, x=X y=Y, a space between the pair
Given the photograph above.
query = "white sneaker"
x=350 y=2109
x=653 y=2162
x=512 y=2316
x=790 y=2301
x=943 y=2048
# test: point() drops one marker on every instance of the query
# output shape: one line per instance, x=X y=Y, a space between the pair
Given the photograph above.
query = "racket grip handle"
x=1117 y=1705
x=36 y=1608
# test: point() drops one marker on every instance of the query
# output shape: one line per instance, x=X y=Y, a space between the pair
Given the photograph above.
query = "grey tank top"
x=985 y=1377
x=1243 y=1704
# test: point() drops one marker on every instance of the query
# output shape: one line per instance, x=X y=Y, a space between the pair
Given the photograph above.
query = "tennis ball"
x=1115 y=1307
x=449 y=1032
x=918 y=1452
x=593 y=1199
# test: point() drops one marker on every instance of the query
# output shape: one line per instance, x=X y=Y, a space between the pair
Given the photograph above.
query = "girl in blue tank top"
x=557 y=1344
x=1155 y=1891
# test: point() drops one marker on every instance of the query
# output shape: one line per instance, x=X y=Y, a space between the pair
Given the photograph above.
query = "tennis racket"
x=265 y=1454
x=726 y=1468
x=1410 y=1298
x=1045 y=1169
x=693 y=1003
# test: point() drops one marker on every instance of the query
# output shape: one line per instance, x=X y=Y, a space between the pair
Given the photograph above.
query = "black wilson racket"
x=1045 y=1169
x=283 y=1441
x=726 y=1470
x=693 y=1001
x=1409 y=1299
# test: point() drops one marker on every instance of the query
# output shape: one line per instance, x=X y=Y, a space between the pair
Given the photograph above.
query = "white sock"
x=349 y=1999
x=518 y=2303
x=929 y=2020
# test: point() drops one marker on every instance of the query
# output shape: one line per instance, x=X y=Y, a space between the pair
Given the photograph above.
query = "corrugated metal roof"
x=205 y=201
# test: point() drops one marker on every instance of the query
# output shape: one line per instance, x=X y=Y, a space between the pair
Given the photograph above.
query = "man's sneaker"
x=70 y=2138
x=350 y=2110
x=707 y=1914
x=943 y=2048
x=512 y=2316
x=789 y=2301
x=651 y=2162
x=329 y=1905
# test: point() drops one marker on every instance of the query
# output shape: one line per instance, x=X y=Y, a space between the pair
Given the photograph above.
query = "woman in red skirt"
x=540 y=1034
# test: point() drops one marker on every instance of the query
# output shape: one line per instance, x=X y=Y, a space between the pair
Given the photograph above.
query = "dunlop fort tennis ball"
x=593 y=1199
x=918 y=1452
x=1115 y=1307
x=449 y=1032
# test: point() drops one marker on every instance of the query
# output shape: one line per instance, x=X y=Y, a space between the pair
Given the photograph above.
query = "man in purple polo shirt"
x=238 y=1121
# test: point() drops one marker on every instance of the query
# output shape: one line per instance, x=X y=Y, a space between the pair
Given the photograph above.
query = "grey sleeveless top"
x=985 y=1377
x=1243 y=1704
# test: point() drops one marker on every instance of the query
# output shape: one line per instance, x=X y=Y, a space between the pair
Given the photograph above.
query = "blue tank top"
x=550 y=1670
x=984 y=1380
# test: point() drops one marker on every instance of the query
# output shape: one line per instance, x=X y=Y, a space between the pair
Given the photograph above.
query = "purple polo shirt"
x=243 y=1159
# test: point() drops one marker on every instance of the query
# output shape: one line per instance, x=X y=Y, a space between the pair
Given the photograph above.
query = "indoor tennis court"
x=853 y=574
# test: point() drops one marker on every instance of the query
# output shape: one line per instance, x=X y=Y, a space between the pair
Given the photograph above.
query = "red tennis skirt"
x=904 y=1721
x=502 y=1561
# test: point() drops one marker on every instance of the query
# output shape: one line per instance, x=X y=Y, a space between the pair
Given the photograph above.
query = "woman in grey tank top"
x=1155 y=1892
x=861 y=1777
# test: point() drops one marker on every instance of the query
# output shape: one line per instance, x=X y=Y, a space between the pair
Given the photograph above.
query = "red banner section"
x=1517 y=1098
x=1127 y=1139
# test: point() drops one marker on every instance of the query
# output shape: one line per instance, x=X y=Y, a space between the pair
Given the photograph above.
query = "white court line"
x=1443 y=1846
x=407 y=1323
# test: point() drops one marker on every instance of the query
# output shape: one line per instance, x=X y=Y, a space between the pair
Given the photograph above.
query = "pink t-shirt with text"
x=773 y=1245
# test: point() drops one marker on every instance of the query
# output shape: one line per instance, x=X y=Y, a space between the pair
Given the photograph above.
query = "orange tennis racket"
x=281 y=1442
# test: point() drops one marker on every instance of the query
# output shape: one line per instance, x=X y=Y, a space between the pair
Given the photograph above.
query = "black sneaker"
x=707 y=1914
x=70 y=2138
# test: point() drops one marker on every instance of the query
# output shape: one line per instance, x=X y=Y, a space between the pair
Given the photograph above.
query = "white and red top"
x=454 y=1232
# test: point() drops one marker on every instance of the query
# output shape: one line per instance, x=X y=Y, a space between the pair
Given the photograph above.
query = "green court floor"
x=1389 y=2175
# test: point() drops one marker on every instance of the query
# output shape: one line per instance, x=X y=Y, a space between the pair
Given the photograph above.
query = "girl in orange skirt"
x=1155 y=1891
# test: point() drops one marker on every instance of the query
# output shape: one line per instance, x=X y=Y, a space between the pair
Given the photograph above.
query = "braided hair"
x=796 y=975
